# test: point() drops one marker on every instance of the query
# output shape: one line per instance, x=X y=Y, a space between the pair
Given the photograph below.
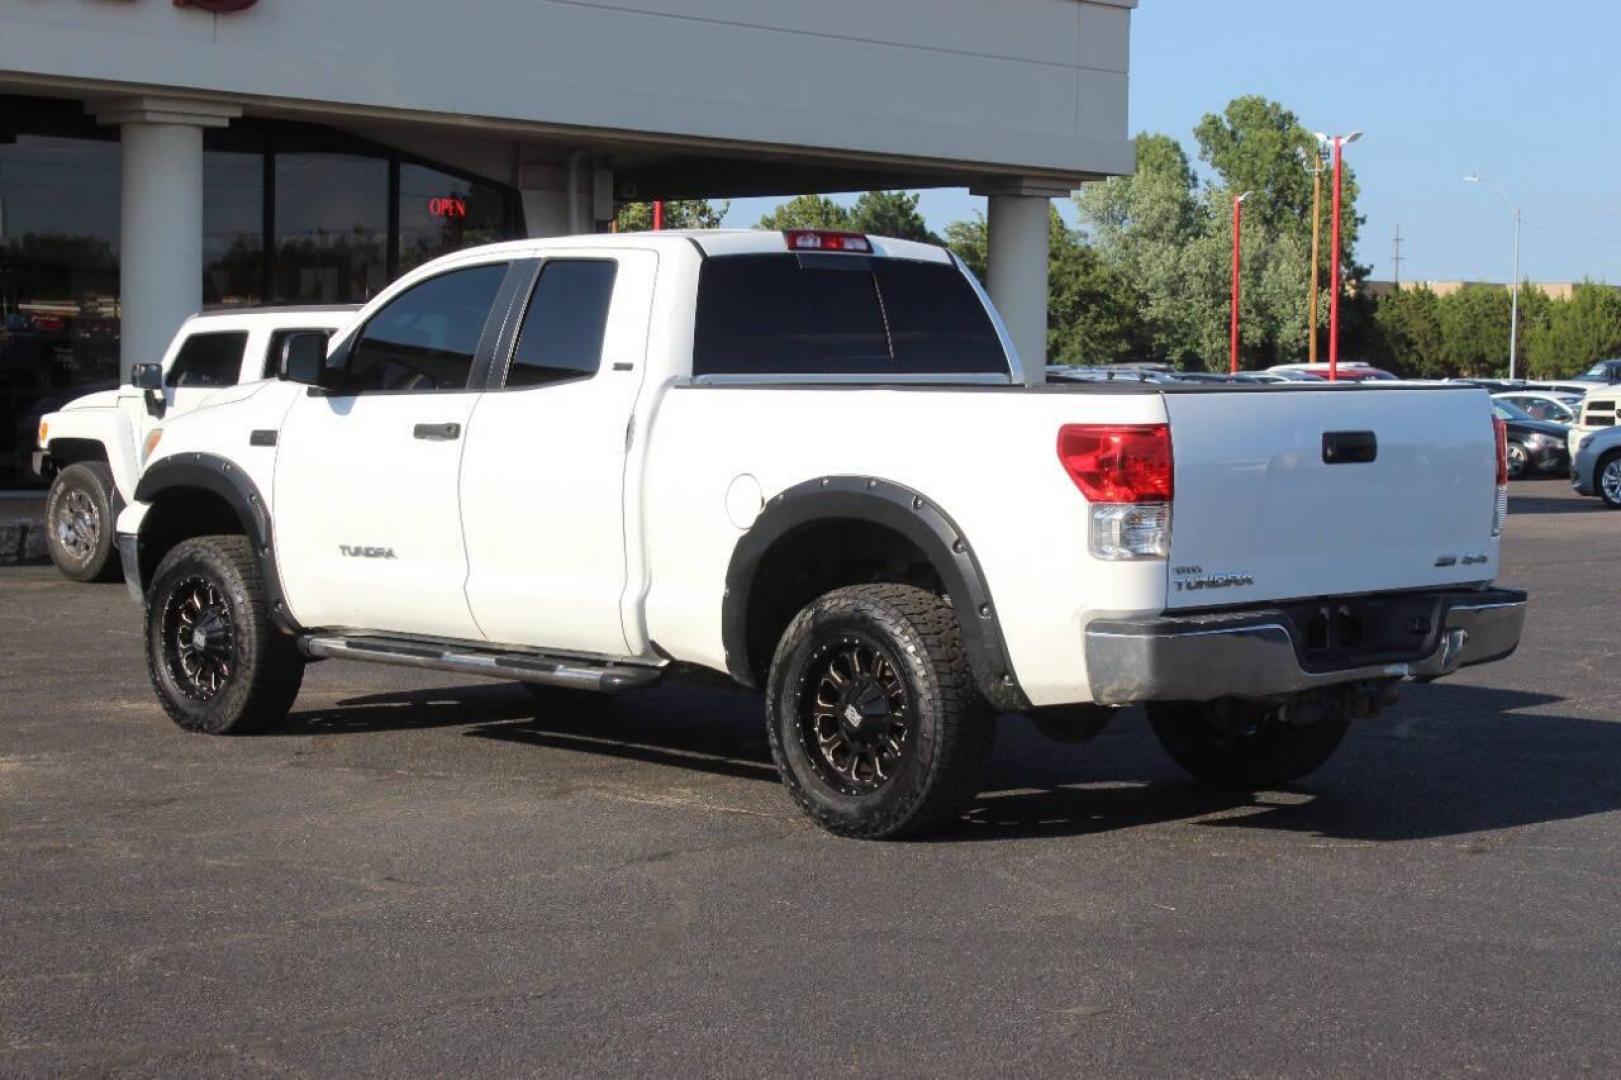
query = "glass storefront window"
x=331 y=243
x=233 y=227
x=345 y=216
x=58 y=281
x=441 y=213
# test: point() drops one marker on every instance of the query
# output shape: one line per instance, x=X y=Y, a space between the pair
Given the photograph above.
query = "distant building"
x=1554 y=290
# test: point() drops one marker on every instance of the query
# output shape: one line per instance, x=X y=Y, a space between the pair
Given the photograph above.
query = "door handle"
x=438 y=432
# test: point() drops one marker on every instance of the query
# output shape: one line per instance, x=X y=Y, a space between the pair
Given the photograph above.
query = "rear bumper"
x=1260 y=652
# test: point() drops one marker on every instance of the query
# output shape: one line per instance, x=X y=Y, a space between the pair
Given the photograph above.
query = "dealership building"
x=162 y=156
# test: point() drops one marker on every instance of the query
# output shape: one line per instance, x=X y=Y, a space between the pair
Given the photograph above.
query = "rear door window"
x=209 y=359
x=562 y=332
x=823 y=314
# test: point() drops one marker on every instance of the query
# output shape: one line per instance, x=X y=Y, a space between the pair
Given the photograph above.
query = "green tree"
x=1474 y=328
x=969 y=240
x=1257 y=145
x=1093 y=314
x=1576 y=333
x=678 y=214
x=1409 y=323
x=807 y=212
x=891 y=213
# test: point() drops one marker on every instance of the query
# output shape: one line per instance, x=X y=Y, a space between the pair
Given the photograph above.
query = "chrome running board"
x=605 y=676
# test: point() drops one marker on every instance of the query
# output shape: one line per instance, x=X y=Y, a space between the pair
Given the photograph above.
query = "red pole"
x=1334 y=277
x=1238 y=225
x=658 y=215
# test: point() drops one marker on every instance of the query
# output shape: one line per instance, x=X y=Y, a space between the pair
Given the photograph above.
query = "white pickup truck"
x=88 y=448
x=805 y=461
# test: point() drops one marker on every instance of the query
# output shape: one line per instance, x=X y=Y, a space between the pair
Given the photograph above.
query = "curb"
x=22 y=543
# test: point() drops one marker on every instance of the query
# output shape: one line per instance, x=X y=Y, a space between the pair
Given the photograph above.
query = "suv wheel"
x=1607 y=479
x=217 y=663
x=79 y=516
x=1243 y=745
x=874 y=718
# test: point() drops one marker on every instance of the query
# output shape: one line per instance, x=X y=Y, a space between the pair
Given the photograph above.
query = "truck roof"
x=714 y=242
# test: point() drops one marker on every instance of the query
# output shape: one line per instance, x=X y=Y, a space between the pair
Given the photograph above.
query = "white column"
x=1017 y=268
x=160 y=275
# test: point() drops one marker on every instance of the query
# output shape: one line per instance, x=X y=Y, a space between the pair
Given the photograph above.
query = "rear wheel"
x=79 y=516
x=875 y=721
x=1608 y=479
x=215 y=660
x=1244 y=745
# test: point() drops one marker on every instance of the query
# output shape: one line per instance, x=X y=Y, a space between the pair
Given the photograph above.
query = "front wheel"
x=1244 y=745
x=875 y=721
x=214 y=658
x=1608 y=479
x=79 y=516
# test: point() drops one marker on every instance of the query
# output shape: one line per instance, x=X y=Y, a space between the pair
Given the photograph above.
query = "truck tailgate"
x=1285 y=493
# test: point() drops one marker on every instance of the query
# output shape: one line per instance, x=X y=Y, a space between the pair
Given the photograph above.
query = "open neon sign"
x=448 y=206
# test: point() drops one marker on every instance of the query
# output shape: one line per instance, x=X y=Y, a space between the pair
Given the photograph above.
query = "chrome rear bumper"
x=1259 y=653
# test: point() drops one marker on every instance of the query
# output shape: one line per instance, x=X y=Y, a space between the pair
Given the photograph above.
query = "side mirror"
x=303 y=357
x=146 y=376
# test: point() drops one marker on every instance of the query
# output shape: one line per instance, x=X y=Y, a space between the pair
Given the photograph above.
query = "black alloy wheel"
x=199 y=639
x=854 y=714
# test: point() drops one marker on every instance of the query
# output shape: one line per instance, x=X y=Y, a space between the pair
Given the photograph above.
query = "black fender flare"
x=219 y=477
x=907 y=512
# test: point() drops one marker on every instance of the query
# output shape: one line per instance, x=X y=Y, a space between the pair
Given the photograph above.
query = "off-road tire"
x=1199 y=737
x=265 y=668
x=1598 y=479
x=92 y=481
x=951 y=729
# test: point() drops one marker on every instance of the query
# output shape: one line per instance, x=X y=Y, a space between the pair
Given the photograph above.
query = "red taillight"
x=1118 y=463
x=1501 y=428
x=827 y=240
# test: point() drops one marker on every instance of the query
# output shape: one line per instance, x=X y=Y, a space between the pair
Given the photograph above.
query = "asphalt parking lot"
x=434 y=876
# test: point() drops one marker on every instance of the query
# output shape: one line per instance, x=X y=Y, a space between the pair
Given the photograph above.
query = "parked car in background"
x=1283 y=376
x=1603 y=373
x=90 y=447
x=1542 y=405
x=1535 y=447
x=1072 y=373
x=1575 y=389
x=1349 y=371
x=1595 y=463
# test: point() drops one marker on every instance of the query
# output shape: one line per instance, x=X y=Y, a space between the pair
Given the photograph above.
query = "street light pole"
x=1316 y=246
x=1238 y=232
x=1339 y=142
x=1514 y=287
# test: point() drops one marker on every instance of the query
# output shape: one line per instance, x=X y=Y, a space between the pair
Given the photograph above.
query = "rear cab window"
x=813 y=313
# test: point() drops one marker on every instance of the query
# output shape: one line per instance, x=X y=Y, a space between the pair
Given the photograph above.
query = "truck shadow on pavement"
x=1450 y=760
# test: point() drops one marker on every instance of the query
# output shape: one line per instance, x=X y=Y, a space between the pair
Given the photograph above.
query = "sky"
x=1525 y=93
